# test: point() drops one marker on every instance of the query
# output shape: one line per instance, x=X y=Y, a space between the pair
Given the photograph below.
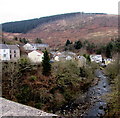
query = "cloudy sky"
x=15 y=10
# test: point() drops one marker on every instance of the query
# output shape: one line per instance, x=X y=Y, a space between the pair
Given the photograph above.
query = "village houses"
x=96 y=58
x=35 y=54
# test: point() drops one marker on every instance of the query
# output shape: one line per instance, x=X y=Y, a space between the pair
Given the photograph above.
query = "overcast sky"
x=15 y=10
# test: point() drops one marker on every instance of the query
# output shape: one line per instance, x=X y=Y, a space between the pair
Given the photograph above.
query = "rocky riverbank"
x=95 y=93
x=91 y=103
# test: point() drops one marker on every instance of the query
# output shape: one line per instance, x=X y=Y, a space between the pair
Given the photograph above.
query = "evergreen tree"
x=109 y=48
x=68 y=42
x=15 y=38
x=23 y=40
x=46 y=64
x=87 y=56
x=91 y=47
x=78 y=45
x=38 y=40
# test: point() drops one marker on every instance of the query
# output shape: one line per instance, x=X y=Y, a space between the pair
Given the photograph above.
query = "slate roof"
x=14 y=47
x=40 y=45
x=10 y=108
x=3 y=46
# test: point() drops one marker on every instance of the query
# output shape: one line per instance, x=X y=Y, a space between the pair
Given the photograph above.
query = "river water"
x=95 y=93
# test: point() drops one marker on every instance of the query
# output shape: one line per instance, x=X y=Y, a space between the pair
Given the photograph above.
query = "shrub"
x=24 y=64
x=67 y=78
x=112 y=70
x=39 y=105
x=33 y=78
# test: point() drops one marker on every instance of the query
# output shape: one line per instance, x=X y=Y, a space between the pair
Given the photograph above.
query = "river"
x=95 y=93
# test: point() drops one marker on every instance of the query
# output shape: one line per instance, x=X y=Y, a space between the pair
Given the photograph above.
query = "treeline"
x=27 y=25
x=24 y=40
x=108 y=50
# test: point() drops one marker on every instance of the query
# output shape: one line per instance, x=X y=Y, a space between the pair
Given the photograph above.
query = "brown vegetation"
x=95 y=28
x=25 y=83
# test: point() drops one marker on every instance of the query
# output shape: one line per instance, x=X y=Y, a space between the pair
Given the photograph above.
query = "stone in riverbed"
x=101 y=107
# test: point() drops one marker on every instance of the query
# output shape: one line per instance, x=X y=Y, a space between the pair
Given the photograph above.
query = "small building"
x=108 y=61
x=69 y=58
x=31 y=47
x=96 y=58
x=41 y=46
x=36 y=56
x=57 y=58
x=63 y=56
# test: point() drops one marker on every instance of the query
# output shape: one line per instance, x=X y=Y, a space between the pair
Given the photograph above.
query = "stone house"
x=14 y=52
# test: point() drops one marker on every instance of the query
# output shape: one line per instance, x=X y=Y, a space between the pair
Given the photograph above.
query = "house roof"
x=13 y=47
x=10 y=108
x=40 y=45
x=3 y=46
x=37 y=51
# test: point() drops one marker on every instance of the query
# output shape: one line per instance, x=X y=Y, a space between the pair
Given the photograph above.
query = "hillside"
x=55 y=30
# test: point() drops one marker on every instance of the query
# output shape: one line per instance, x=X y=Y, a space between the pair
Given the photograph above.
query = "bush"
x=38 y=105
x=33 y=78
x=112 y=70
x=67 y=78
x=87 y=56
x=24 y=94
x=24 y=64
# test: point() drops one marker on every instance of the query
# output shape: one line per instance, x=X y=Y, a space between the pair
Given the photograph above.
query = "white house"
x=96 y=58
x=9 y=52
x=4 y=52
x=36 y=56
x=29 y=46
x=57 y=58
x=69 y=58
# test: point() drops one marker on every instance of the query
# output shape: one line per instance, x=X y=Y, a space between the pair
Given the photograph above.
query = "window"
x=10 y=51
x=14 y=51
x=10 y=56
x=14 y=55
x=4 y=55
